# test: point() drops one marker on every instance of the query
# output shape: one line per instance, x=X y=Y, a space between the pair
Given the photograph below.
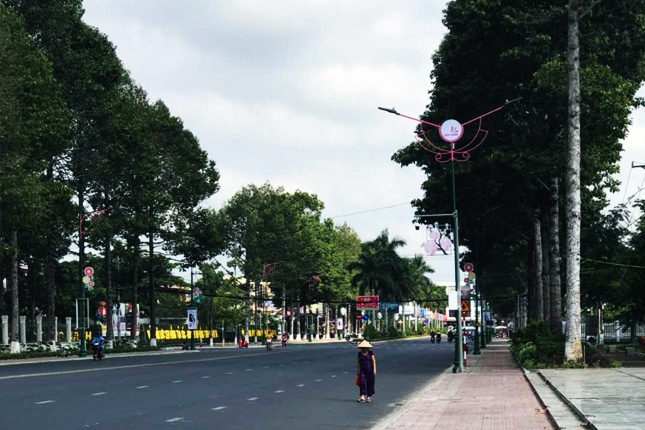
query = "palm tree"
x=380 y=270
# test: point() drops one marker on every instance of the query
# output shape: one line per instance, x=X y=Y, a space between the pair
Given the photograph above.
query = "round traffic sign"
x=88 y=271
x=366 y=317
x=468 y=267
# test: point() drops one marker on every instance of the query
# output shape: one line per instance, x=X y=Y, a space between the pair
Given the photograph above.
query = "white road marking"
x=44 y=402
x=219 y=408
x=174 y=420
x=249 y=370
x=205 y=377
x=229 y=373
x=333 y=376
x=318 y=380
x=99 y=394
x=177 y=381
x=279 y=391
x=265 y=367
x=300 y=385
x=252 y=399
x=127 y=366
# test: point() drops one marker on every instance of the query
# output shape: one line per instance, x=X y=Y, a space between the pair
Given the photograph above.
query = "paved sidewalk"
x=491 y=394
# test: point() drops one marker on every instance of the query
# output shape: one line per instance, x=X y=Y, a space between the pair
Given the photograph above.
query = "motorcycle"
x=432 y=337
x=284 y=342
x=242 y=343
x=439 y=338
x=451 y=336
x=269 y=344
x=97 y=351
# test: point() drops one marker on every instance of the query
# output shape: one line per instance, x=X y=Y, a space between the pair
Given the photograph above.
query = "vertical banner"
x=192 y=319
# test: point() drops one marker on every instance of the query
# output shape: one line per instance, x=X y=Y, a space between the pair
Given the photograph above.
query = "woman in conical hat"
x=365 y=371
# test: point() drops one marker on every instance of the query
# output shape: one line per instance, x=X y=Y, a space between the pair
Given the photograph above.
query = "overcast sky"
x=287 y=92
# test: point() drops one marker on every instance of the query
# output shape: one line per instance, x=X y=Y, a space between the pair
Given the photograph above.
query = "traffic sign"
x=468 y=267
x=367 y=302
x=465 y=306
x=366 y=317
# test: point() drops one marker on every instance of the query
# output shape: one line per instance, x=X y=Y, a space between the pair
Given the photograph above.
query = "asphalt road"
x=302 y=385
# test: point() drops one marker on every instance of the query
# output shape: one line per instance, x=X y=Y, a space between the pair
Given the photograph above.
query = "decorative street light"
x=451 y=131
x=82 y=349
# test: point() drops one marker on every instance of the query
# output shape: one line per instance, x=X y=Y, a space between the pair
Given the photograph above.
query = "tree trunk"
x=546 y=284
x=135 y=298
x=573 y=346
x=537 y=267
x=50 y=276
x=554 y=259
x=15 y=306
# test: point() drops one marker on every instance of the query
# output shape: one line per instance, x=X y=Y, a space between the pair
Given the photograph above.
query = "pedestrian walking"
x=365 y=372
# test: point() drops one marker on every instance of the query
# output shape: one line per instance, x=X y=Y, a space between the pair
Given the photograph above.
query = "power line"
x=370 y=210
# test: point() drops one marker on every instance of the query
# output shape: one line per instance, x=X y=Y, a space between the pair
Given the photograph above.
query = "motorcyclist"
x=269 y=343
x=99 y=343
x=285 y=338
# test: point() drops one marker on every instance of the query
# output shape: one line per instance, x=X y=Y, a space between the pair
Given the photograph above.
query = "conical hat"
x=364 y=344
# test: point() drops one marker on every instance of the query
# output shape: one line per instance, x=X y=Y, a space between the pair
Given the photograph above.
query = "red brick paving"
x=491 y=394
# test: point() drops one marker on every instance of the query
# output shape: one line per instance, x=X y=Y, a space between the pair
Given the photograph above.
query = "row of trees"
x=89 y=163
x=516 y=195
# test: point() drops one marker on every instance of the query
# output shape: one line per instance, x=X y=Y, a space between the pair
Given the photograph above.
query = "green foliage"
x=392 y=332
x=537 y=347
x=371 y=332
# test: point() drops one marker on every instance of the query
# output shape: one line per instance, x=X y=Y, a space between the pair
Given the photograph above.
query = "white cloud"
x=287 y=92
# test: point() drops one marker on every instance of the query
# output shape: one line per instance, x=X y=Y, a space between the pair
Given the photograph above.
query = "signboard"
x=465 y=306
x=192 y=319
x=367 y=302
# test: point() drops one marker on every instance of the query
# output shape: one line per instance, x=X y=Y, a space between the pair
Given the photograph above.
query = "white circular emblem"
x=451 y=130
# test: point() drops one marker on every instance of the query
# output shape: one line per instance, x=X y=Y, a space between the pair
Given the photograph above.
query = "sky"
x=286 y=92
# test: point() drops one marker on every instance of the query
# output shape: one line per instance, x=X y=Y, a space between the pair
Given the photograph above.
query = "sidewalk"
x=491 y=394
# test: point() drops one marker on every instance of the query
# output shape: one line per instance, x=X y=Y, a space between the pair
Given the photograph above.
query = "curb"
x=567 y=402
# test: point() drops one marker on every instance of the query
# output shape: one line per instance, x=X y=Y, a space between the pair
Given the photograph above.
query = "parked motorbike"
x=242 y=343
x=97 y=351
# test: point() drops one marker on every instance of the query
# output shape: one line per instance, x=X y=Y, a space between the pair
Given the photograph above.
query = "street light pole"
x=451 y=131
x=82 y=346
x=192 y=304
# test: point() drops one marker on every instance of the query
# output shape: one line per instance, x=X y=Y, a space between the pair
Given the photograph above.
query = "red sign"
x=367 y=302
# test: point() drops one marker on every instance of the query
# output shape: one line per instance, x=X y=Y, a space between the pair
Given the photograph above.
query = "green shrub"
x=371 y=333
x=392 y=332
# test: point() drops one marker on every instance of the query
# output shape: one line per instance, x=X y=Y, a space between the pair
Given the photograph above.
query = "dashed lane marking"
x=252 y=399
x=142 y=386
x=44 y=402
x=300 y=385
x=174 y=420
x=279 y=391
x=127 y=366
x=205 y=377
x=101 y=393
x=177 y=381
x=218 y=408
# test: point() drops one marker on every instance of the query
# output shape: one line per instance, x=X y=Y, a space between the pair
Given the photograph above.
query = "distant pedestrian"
x=365 y=371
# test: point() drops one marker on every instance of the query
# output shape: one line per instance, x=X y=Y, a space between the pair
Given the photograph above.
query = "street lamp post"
x=82 y=347
x=192 y=304
x=451 y=131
